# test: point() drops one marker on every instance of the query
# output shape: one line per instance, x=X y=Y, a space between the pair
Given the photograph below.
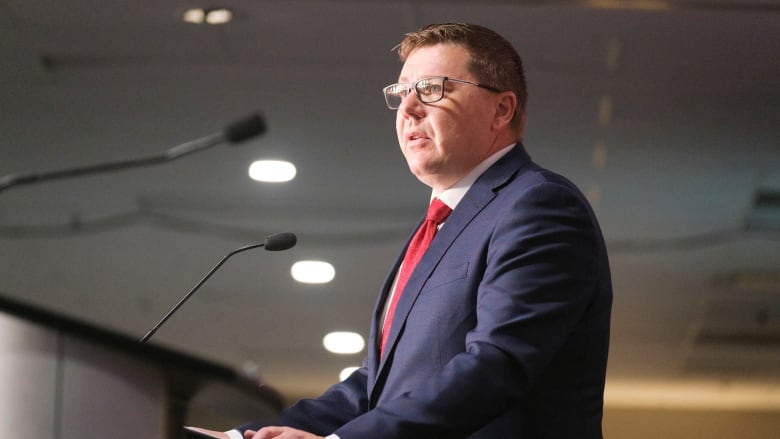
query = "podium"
x=64 y=379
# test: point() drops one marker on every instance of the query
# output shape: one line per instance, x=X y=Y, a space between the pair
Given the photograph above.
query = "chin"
x=426 y=174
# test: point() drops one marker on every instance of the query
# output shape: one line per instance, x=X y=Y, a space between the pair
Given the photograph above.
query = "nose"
x=411 y=106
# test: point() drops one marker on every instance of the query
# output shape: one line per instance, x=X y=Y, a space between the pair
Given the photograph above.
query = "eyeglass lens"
x=428 y=90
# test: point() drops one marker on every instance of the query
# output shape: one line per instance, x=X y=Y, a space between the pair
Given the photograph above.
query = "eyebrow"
x=404 y=80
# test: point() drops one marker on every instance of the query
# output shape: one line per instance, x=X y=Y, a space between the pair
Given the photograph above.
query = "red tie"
x=437 y=213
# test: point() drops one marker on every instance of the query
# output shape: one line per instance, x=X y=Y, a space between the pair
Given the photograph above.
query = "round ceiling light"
x=342 y=342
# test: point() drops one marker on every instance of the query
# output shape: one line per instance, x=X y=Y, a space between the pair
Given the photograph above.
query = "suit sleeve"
x=341 y=403
x=539 y=276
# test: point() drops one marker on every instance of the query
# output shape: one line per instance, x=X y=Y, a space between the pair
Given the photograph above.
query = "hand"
x=279 y=433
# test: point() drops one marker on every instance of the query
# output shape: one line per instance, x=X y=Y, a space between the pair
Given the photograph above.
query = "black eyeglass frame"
x=423 y=97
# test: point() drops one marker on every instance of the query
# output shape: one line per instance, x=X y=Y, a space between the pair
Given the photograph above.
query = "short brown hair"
x=494 y=60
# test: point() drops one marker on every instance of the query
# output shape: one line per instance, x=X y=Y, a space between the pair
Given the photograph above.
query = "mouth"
x=415 y=136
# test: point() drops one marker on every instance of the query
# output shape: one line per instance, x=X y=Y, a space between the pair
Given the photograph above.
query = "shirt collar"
x=452 y=195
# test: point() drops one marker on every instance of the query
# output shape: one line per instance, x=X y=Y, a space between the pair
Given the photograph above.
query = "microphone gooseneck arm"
x=151 y=332
x=276 y=242
x=174 y=153
x=234 y=133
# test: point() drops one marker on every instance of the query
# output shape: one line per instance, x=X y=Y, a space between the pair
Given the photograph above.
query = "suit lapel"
x=479 y=195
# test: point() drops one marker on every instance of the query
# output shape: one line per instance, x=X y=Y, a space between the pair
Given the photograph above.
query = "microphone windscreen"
x=280 y=241
x=246 y=128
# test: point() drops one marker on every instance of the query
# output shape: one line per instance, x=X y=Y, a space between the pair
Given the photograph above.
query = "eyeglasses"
x=428 y=90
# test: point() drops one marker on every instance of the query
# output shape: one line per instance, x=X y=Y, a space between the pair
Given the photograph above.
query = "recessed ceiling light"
x=342 y=342
x=194 y=16
x=313 y=272
x=219 y=16
x=272 y=171
x=211 y=16
x=346 y=372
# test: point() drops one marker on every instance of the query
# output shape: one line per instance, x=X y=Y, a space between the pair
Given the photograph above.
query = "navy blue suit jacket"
x=502 y=330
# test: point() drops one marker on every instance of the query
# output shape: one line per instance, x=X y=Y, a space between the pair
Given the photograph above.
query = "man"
x=502 y=328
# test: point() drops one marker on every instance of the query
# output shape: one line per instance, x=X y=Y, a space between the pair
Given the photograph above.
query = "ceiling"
x=666 y=113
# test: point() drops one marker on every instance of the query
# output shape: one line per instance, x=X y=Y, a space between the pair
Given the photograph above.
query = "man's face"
x=444 y=140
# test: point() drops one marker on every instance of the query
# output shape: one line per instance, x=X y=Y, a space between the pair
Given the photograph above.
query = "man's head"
x=447 y=126
x=493 y=59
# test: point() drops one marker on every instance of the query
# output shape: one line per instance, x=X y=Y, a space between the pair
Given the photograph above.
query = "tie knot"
x=437 y=211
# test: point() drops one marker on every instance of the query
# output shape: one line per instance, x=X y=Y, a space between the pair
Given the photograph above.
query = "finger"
x=264 y=433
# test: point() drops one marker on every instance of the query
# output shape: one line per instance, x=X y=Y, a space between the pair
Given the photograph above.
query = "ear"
x=506 y=106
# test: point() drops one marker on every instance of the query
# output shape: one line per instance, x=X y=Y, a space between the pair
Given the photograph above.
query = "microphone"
x=234 y=133
x=277 y=242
